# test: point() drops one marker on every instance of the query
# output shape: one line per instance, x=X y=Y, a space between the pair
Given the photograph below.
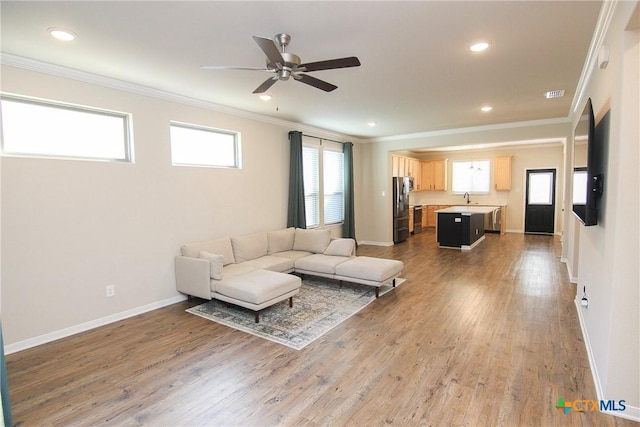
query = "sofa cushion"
x=292 y=255
x=320 y=263
x=258 y=286
x=251 y=246
x=219 y=246
x=233 y=270
x=272 y=263
x=315 y=241
x=216 y=263
x=280 y=240
x=341 y=247
x=368 y=268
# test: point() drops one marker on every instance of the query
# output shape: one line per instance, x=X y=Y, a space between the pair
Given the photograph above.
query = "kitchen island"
x=461 y=227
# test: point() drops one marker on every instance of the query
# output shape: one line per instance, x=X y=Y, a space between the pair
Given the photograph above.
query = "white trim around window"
x=471 y=176
x=195 y=145
x=323 y=168
x=33 y=127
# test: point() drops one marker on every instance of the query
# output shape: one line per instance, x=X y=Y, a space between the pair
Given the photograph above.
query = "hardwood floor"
x=487 y=337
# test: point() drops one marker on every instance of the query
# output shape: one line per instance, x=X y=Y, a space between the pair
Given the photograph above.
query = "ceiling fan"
x=285 y=65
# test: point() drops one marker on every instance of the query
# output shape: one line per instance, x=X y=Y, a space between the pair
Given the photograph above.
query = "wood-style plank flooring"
x=487 y=337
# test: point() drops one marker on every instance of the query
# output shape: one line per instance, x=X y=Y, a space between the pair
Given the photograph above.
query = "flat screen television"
x=588 y=179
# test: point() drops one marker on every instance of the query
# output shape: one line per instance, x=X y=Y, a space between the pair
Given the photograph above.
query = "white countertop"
x=468 y=210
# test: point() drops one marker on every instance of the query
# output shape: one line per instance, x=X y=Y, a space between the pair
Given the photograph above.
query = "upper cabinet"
x=502 y=173
x=407 y=166
x=415 y=170
x=434 y=175
x=429 y=175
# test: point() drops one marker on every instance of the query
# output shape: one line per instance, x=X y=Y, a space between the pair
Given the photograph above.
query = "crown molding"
x=24 y=63
x=602 y=26
x=472 y=129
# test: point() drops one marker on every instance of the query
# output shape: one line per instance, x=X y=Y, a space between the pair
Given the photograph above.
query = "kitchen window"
x=193 y=145
x=41 y=128
x=323 y=168
x=471 y=177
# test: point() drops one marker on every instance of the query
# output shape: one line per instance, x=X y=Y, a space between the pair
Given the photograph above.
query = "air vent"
x=554 y=94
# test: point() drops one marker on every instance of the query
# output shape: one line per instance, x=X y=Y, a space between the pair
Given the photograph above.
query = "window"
x=471 y=176
x=333 y=177
x=323 y=168
x=38 y=128
x=311 y=171
x=580 y=186
x=193 y=145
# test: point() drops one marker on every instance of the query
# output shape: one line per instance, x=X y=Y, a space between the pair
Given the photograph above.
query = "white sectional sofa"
x=240 y=270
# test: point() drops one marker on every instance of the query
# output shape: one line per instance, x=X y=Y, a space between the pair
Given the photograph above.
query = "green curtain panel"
x=296 y=216
x=349 y=226
x=4 y=385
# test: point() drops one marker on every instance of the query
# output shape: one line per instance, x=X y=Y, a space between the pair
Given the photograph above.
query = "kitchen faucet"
x=468 y=197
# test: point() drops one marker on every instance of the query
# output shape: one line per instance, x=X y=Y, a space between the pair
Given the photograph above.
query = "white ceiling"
x=417 y=74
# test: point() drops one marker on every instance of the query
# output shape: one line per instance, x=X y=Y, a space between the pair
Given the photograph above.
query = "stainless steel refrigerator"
x=401 y=186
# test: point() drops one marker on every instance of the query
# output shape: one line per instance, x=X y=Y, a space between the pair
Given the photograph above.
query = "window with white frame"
x=193 y=145
x=40 y=128
x=470 y=176
x=579 y=186
x=323 y=168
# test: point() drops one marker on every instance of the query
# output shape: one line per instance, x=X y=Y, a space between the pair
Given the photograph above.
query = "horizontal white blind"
x=311 y=169
x=333 y=179
x=471 y=176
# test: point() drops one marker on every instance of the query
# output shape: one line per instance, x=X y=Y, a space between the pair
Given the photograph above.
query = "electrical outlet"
x=110 y=290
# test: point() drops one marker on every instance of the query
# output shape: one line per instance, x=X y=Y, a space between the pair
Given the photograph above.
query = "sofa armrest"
x=193 y=276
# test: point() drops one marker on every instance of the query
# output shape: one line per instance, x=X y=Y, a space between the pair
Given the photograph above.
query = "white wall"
x=608 y=253
x=70 y=228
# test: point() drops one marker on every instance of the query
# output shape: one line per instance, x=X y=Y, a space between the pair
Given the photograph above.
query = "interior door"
x=540 y=203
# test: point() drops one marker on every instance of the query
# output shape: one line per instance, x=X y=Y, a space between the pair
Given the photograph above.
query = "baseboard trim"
x=631 y=412
x=573 y=279
x=63 y=333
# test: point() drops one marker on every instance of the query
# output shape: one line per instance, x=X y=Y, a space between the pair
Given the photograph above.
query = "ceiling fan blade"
x=266 y=85
x=271 y=50
x=330 y=64
x=312 y=81
x=225 y=67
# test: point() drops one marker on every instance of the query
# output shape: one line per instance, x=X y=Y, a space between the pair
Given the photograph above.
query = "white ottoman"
x=370 y=271
x=258 y=289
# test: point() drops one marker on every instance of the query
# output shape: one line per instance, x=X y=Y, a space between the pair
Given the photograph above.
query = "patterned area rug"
x=320 y=306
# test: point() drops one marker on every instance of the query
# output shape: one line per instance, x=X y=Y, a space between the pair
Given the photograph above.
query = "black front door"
x=540 y=207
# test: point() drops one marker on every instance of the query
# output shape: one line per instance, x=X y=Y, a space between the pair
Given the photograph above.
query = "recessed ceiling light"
x=554 y=94
x=265 y=97
x=486 y=108
x=479 y=46
x=371 y=124
x=62 y=34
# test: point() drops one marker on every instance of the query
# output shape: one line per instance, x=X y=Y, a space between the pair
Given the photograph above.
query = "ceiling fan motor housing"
x=291 y=62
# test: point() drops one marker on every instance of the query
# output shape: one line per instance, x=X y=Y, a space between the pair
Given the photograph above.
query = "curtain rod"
x=323 y=139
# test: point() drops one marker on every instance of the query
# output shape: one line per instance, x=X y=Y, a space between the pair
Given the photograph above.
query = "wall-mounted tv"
x=588 y=174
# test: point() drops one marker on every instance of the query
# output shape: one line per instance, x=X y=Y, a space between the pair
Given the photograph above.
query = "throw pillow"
x=219 y=246
x=315 y=241
x=341 y=247
x=215 y=263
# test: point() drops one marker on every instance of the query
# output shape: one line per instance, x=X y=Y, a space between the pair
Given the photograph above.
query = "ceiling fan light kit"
x=285 y=65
